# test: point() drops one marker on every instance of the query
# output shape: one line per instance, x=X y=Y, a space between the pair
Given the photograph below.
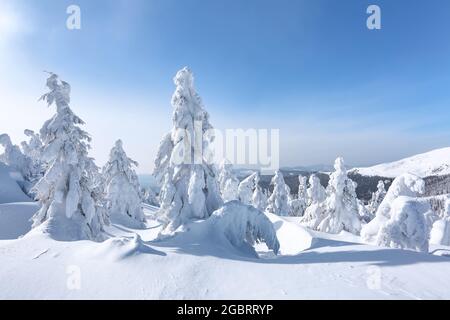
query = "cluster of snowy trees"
x=78 y=199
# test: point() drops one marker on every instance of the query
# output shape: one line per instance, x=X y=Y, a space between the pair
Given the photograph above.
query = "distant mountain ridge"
x=432 y=163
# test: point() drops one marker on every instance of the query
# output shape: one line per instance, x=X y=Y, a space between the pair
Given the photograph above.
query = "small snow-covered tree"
x=122 y=188
x=189 y=181
x=298 y=205
x=228 y=182
x=14 y=157
x=278 y=202
x=33 y=147
x=259 y=198
x=314 y=212
x=149 y=196
x=404 y=185
x=377 y=198
x=341 y=207
x=33 y=150
x=68 y=206
x=440 y=232
x=246 y=188
x=407 y=227
x=316 y=192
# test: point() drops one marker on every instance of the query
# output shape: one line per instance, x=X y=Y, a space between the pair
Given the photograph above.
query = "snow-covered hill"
x=433 y=163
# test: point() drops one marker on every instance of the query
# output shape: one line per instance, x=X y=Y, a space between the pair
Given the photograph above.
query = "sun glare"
x=9 y=23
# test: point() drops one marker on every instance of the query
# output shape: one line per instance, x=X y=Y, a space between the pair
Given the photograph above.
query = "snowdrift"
x=10 y=190
x=293 y=237
x=234 y=228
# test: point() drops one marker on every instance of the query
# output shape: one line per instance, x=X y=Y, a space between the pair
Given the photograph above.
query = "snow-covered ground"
x=190 y=266
x=436 y=162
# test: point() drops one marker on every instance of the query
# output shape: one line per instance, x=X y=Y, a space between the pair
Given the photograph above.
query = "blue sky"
x=310 y=68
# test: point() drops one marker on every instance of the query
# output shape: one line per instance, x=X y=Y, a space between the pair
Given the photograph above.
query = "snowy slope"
x=15 y=219
x=436 y=162
x=10 y=191
x=190 y=267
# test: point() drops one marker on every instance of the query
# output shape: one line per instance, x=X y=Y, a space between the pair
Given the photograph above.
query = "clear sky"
x=308 y=67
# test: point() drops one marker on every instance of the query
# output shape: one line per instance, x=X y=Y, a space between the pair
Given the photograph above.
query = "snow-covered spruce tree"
x=259 y=198
x=316 y=192
x=407 y=227
x=298 y=205
x=278 y=202
x=341 y=206
x=189 y=181
x=440 y=233
x=408 y=185
x=149 y=197
x=246 y=188
x=13 y=157
x=228 y=182
x=68 y=205
x=32 y=149
x=377 y=198
x=123 y=192
x=314 y=212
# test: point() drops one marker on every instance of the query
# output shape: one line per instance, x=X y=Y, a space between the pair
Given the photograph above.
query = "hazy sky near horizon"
x=310 y=68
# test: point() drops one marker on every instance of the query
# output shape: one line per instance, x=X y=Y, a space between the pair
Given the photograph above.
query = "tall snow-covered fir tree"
x=123 y=192
x=66 y=191
x=189 y=181
x=259 y=198
x=228 y=182
x=341 y=206
x=278 y=202
x=246 y=188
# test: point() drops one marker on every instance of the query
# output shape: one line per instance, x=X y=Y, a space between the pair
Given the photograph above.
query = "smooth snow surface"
x=133 y=265
x=433 y=163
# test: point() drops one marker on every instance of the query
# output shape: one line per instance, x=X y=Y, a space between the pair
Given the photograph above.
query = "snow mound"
x=244 y=226
x=15 y=219
x=10 y=190
x=293 y=237
x=116 y=249
x=436 y=162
